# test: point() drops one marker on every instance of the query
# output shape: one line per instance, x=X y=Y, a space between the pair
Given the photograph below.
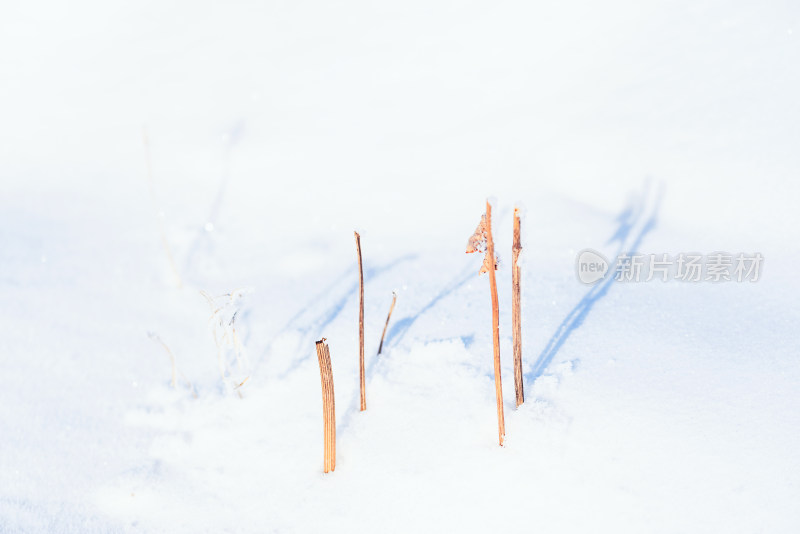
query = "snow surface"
x=275 y=129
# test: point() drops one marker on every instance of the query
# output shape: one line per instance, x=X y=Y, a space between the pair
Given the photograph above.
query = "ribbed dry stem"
x=328 y=405
x=391 y=308
x=498 y=385
x=361 y=325
x=516 y=313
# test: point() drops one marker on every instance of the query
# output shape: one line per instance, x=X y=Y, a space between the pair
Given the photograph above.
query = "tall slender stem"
x=498 y=384
x=516 y=314
x=361 y=325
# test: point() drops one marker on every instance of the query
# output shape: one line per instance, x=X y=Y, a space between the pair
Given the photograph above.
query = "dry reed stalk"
x=361 y=326
x=516 y=314
x=391 y=308
x=482 y=241
x=328 y=405
x=498 y=385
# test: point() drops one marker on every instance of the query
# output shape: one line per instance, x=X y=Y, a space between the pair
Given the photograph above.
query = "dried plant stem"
x=391 y=308
x=152 y=183
x=175 y=372
x=361 y=325
x=224 y=333
x=328 y=405
x=498 y=385
x=516 y=314
x=155 y=337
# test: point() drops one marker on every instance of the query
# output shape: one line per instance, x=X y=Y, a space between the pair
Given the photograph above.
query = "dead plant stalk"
x=482 y=240
x=328 y=405
x=516 y=313
x=391 y=308
x=498 y=385
x=361 y=325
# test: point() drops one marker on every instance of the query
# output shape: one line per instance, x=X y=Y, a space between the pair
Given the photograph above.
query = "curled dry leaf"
x=487 y=264
x=478 y=243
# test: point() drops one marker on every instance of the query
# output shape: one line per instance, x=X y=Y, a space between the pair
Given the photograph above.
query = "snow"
x=274 y=131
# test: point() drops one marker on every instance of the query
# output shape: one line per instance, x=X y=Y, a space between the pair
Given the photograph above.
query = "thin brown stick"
x=152 y=183
x=498 y=385
x=328 y=405
x=394 y=299
x=516 y=314
x=332 y=426
x=361 y=325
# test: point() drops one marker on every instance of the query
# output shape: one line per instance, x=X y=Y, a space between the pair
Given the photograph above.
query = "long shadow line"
x=401 y=327
x=328 y=315
x=318 y=324
x=397 y=333
x=574 y=319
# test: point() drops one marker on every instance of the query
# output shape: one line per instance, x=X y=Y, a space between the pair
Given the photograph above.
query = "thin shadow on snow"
x=628 y=220
x=395 y=334
x=401 y=327
x=315 y=326
x=331 y=312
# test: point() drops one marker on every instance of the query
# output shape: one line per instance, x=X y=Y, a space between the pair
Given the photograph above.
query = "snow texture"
x=274 y=130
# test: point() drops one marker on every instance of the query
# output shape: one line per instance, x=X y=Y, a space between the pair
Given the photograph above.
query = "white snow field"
x=275 y=129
